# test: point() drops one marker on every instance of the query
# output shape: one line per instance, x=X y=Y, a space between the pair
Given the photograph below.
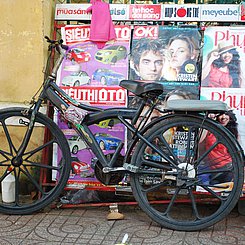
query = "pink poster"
x=91 y=75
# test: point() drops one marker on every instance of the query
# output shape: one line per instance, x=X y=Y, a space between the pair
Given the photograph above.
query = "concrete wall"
x=23 y=51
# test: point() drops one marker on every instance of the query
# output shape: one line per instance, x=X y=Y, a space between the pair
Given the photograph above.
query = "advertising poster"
x=223 y=75
x=223 y=57
x=171 y=56
x=220 y=12
x=234 y=120
x=242 y=9
x=223 y=70
x=91 y=75
x=181 y=12
x=169 y=53
x=145 y=12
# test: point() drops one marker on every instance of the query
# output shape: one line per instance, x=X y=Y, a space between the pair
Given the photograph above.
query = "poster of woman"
x=222 y=70
x=223 y=57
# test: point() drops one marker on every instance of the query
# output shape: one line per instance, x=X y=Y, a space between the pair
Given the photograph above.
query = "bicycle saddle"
x=141 y=88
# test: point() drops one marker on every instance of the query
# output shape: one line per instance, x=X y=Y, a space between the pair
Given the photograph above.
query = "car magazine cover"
x=92 y=75
x=223 y=75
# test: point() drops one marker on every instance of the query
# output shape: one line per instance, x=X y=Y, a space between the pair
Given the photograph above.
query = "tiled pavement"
x=89 y=225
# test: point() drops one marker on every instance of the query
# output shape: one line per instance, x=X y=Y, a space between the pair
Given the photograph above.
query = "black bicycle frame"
x=60 y=99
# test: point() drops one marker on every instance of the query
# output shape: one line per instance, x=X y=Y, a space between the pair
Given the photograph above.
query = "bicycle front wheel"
x=189 y=164
x=41 y=173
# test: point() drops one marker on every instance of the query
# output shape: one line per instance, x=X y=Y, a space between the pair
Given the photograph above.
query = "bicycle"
x=168 y=178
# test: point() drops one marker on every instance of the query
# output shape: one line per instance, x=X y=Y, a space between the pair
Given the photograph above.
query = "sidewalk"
x=89 y=225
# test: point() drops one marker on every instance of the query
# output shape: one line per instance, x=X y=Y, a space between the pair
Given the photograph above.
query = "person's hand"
x=212 y=116
x=214 y=56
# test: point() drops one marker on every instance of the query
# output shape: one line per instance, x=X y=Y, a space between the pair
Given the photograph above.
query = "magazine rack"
x=125 y=190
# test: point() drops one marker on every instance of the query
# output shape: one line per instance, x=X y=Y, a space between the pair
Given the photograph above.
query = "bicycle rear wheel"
x=43 y=170
x=178 y=179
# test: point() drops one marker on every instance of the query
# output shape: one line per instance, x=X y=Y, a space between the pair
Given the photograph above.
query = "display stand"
x=173 y=14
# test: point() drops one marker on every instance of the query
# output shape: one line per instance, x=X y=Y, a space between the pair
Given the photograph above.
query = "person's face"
x=223 y=119
x=180 y=53
x=227 y=57
x=150 y=66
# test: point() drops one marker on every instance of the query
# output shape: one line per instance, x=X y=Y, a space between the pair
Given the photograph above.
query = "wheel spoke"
x=213 y=171
x=158 y=165
x=193 y=202
x=197 y=140
x=205 y=154
x=172 y=201
x=17 y=186
x=158 y=151
x=3 y=163
x=41 y=165
x=4 y=175
x=26 y=172
x=154 y=187
x=188 y=146
x=215 y=194
x=27 y=155
x=169 y=149
x=5 y=154
x=11 y=145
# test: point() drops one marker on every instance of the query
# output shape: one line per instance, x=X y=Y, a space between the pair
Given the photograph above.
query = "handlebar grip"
x=57 y=42
x=65 y=47
x=48 y=39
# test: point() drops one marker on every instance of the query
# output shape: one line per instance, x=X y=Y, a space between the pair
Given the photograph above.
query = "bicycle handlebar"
x=61 y=49
x=56 y=43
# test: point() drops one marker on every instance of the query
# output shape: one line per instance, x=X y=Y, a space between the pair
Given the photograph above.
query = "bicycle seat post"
x=138 y=112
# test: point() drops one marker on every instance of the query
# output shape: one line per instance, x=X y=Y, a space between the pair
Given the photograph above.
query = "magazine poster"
x=223 y=74
x=168 y=55
x=242 y=11
x=223 y=57
x=235 y=99
x=91 y=75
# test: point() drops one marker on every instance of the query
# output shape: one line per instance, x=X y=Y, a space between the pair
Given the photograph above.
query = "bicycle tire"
x=175 y=190
x=38 y=182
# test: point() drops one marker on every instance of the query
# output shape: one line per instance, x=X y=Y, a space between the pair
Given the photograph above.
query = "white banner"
x=220 y=12
x=156 y=12
x=72 y=12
